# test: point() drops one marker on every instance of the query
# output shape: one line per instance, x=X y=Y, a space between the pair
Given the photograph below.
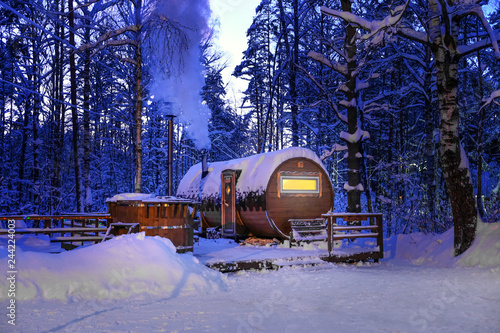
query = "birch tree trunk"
x=454 y=162
x=442 y=35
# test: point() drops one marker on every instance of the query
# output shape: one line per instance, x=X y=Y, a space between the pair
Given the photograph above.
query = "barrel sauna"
x=168 y=217
x=259 y=194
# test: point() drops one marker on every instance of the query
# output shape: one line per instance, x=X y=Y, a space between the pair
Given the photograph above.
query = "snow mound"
x=485 y=250
x=420 y=248
x=26 y=242
x=438 y=250
x=129 y=266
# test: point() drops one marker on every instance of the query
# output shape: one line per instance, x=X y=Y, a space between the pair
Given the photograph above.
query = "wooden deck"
x=74 y=230
x=338 y=228
x=70 y=230
x=279 y=263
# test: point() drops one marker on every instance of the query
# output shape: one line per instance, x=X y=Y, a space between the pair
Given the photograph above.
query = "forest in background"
x=79 y=120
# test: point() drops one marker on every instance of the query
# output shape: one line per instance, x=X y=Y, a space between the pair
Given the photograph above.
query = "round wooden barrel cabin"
x=168 y=217
x=258 y=195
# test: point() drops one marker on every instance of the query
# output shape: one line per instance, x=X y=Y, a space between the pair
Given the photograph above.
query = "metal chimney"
x=204 y=164
x=170 y=152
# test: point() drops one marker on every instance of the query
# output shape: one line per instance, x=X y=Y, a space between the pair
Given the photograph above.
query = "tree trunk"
x=353 y=147
x=57 y=116
x=453 y=158
x=293 y=75
x=35 y=85
x=479 y=140
x=22 y=160
x=86 y=121
x=429 y=155
x=138 y=101
x=74 y=114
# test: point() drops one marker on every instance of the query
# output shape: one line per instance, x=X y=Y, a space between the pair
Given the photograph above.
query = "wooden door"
x=228 y=203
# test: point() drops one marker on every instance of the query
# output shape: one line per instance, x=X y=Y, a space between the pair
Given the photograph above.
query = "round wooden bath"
x=167 y=217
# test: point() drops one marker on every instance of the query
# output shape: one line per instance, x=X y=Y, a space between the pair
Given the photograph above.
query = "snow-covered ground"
x=139 y=284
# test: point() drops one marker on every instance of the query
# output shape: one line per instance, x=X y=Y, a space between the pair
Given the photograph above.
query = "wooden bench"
x=307 y=230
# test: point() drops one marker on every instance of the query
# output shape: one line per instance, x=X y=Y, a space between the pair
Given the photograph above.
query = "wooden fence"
x=373 y=229
x=68 y=229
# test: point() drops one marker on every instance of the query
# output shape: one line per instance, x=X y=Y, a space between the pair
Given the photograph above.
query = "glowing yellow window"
x=299 y=184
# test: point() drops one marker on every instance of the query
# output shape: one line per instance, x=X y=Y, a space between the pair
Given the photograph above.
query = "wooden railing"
x=374 y=228
x=71 y=228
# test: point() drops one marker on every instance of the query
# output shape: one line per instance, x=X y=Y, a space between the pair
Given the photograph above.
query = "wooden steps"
x=316 y=262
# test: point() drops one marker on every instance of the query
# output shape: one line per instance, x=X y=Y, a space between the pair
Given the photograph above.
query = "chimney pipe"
x=204 y=164
x=170 y=152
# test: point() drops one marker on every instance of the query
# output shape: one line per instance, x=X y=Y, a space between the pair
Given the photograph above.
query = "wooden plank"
x=341 y=215
x=53 y=230
x=56 y=217
x=347 y=228
x=76 y=229
x=77 y=239
x=351 y=218
x=346 y=236
x=278 y=263
x=374 y=255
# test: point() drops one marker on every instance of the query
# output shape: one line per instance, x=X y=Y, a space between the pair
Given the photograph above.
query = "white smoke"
x=183 y=82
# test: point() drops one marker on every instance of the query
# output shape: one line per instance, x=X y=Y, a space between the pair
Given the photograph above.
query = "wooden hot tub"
x=168 y=217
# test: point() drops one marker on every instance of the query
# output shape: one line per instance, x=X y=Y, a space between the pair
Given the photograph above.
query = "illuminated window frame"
x=314 y=192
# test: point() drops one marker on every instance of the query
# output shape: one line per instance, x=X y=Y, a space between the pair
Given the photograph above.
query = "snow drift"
x=437 y=250
x=129 y=266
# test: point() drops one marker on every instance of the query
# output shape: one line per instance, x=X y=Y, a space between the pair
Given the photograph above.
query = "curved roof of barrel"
x=255 y=173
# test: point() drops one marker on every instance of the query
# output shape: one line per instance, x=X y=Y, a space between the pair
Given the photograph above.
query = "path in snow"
x=136 y=283
x=393 y=296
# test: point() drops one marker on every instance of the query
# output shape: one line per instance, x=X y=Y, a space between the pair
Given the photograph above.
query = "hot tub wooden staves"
x=258 y=195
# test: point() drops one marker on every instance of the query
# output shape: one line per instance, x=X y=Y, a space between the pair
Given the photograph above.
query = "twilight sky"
x=235 y=17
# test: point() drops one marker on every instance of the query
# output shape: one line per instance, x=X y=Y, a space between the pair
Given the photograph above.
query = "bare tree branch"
x=477 y=46
x=328 y=100
x=108 y=35
x=87 y=4
x=491 y=98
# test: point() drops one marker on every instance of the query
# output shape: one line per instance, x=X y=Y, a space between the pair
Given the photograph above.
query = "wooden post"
x=380 y=237
x=330 y=235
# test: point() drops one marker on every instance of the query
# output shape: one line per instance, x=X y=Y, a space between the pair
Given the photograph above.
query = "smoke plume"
x=180 y=81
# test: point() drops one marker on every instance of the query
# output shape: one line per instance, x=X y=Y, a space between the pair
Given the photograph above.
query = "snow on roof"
x=130 y=196
x=144 y=197
x=255 y=173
